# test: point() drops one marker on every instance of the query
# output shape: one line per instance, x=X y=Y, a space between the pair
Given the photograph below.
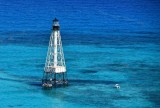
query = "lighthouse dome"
x=56 y=24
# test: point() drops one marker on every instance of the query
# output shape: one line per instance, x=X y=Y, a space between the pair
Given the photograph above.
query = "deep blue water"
x=105 y=42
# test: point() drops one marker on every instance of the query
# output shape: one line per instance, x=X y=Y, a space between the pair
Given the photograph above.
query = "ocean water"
x=105 y=42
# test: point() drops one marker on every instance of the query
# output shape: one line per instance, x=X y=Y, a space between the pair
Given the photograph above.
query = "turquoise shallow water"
x=93 y=70
x=105 y=42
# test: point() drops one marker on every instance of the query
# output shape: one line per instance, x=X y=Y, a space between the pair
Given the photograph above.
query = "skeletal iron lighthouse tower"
x=55 y=68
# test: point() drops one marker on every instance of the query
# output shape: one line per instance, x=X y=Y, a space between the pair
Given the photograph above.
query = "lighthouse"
x=55 y=68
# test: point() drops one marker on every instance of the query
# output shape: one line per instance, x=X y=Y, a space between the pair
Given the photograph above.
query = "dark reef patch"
x=12 y=106
x=69 y=59
x=86 y=97
x=119 y=97
x=8 y=79
x=87 y=71
x=40 y=65
x=133 y=66
x=1 y=69
x=35 y=83
x=81 y=81
x=117 y=65
x=153 y=96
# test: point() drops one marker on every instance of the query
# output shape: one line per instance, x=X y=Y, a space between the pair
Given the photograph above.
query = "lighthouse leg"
x=63 y=77
x=54 y=78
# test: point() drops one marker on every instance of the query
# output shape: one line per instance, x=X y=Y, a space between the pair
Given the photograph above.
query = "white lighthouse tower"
x=55 y=68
